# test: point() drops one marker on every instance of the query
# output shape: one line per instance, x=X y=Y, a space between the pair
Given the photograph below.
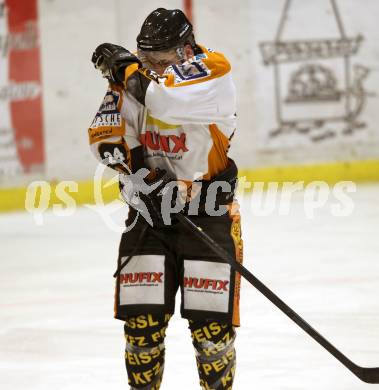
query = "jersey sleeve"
x=199 y=91
x=114 y=132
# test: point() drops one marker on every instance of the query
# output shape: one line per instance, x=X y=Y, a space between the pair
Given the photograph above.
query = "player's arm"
x=113 y=134
x=199 y=91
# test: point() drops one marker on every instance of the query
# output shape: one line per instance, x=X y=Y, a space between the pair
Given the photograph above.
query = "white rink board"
x=57 y=302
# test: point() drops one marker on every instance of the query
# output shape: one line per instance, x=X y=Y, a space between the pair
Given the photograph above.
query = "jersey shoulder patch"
x=202 y=67
x=108 y=121
x=111 y=102
x=190 y=70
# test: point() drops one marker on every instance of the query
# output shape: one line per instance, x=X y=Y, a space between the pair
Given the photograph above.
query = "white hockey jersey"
x=185 y=125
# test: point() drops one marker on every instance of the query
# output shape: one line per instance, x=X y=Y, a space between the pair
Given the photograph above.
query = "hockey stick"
x=366 y=374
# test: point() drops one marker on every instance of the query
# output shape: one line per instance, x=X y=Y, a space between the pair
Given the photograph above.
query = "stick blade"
x=369 y=375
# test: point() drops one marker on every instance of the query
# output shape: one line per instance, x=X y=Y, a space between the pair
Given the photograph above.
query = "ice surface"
x=57 y=328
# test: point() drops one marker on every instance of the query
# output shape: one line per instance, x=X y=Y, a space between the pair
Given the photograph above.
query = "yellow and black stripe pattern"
x=145 y=352
x=215 y=354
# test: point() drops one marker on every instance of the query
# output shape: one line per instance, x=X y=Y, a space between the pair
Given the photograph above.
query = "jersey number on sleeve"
x=113 y=152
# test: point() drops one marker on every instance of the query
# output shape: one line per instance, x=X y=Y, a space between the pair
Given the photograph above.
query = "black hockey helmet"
x=164 y=29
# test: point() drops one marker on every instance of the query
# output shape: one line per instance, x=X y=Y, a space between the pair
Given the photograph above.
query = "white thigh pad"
x=206 y=285
x=142 y=280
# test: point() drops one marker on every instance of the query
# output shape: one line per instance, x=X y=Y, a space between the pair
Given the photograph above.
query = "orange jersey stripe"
x=235 y=232
x=217 y=157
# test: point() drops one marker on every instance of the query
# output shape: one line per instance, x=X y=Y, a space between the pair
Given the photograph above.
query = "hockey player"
x=171 y=110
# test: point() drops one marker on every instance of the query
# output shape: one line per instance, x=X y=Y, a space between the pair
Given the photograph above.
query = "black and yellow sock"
x=215 y=354
x=145 y=350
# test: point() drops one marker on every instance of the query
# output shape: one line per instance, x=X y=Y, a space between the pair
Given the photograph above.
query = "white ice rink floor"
x=57 y=328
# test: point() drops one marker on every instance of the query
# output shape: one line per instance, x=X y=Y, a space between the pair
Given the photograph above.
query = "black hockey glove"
x=113 y=61
x=146 y=191
x=120 y=66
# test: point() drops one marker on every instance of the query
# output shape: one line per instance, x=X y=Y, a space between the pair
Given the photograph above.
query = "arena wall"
x=307 y=82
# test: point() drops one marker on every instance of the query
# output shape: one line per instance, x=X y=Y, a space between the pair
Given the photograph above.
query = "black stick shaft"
x=369 y=375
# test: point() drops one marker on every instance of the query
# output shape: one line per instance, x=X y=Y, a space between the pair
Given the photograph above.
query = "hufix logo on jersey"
x=165 y=143
x=206 y=284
